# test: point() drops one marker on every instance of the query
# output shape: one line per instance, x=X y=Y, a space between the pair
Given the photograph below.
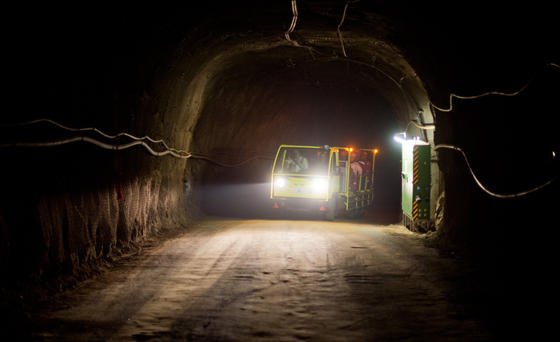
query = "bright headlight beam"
x=320 y=185
x=280 y=182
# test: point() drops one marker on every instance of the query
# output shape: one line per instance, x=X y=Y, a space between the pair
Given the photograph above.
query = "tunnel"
x=217 y=88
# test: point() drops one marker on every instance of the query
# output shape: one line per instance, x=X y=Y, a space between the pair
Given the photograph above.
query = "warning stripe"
x=415 y=166
x=415 y=169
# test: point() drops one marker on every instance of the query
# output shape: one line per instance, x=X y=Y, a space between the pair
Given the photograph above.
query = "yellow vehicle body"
x=323 y=178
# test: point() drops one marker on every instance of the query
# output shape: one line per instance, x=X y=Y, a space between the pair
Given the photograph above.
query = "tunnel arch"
x=381 y=63
x=392 y=69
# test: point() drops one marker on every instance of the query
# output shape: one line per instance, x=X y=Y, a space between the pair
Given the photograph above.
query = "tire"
x=331 y=210
x=356 y=214
x=329 y=215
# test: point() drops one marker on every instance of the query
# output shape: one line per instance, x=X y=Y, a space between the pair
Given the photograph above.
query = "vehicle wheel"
x=356 y=214
x=361 y=213
x=331 y=210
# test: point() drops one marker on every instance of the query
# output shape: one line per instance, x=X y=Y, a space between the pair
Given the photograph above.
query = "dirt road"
x=272 y=280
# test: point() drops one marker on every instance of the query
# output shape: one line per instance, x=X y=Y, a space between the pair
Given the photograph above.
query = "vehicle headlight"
x=279 y=182
x=320 y=185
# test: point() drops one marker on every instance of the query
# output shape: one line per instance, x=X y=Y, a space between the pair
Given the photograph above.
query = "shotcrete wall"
x=65 y=208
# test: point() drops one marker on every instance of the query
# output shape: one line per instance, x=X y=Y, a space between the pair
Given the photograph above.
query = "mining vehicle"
x=335 y=181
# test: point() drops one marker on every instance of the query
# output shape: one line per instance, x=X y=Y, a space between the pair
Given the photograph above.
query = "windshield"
x=313 y=161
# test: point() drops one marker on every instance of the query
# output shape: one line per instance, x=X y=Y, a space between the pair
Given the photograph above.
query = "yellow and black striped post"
x=421 y=182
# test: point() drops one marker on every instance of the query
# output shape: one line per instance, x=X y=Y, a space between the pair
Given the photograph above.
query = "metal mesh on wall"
x=80 y=228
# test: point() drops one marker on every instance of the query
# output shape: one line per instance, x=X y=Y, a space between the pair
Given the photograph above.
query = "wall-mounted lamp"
x=402 y=139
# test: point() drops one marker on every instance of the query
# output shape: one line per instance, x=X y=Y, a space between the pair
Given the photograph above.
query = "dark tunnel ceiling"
x=109 y=40
x=85 y=59
x=94 y=53
x=385 y=75
x=294 y=99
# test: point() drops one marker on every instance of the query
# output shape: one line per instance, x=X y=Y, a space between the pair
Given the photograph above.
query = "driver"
x=297 y=163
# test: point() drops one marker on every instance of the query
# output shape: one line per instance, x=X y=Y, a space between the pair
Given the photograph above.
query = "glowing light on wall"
x=402 y=139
